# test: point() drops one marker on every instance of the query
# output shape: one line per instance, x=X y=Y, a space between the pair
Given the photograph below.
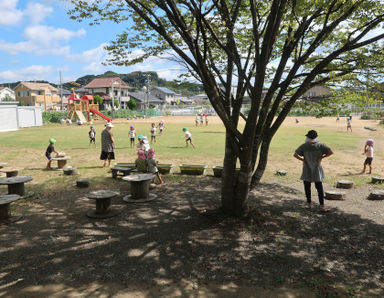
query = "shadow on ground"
x=177 y=246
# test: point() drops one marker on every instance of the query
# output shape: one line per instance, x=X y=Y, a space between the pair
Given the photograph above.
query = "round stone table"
x=103 y=203
x=10 y=172
x=5 y=209
x=61 y=161
x=16 y=184
x=139 y=188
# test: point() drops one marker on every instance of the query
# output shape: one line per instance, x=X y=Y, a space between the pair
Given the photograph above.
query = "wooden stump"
x=70 y=171
x=82 y=182
x=346 y=184
x=5 y=210
x=370 y=128
x=334 y=195
x=120 y=170
x=10 y=172
x=377 y=180
x=139 y=187
x=103 y=204
x=281 y=172
x=2 y=164
x=16 y=184
x=376 y=195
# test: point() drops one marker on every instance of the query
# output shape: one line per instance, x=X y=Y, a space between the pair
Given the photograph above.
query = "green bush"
x=372 y=115
x=54 y=117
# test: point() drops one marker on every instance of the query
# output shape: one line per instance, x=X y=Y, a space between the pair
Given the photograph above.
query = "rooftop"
x=107 y=83
x=37 y=86
x=142 y=97
x=164 y=90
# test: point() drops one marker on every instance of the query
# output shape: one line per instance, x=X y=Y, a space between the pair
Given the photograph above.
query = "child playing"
x=349 y=126
x=206 y=119
x=152 y=163
x=197 y=121
x=153 y=133
x=92 y=136
x=201 y=120
x=49 y=151
x=141 y=162
x=368 y=151
x=188 y=137
x=143 y=143
x=161 y=126
x=132 y=134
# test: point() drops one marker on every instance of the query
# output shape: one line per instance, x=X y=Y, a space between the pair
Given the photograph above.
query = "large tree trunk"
x=234 y=188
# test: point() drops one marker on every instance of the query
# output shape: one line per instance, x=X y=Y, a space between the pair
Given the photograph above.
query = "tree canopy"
x=272 y=50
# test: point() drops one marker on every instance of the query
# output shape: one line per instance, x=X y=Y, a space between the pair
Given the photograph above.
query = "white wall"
x=30 y=116
x=8 y=117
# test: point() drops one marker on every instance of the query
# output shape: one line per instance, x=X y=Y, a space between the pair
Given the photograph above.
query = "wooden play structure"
x=78 y=106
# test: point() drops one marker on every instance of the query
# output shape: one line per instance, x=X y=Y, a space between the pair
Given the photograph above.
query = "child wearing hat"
x=132 y=134
x=368 y=151
x=311 y=153
x=141 y=162
x=188 y=137
x=92 y=136
x=49 y=151
x=152 y=165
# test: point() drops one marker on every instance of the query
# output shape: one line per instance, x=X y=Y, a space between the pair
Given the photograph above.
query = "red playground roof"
x=73 y=96
x=87 y=97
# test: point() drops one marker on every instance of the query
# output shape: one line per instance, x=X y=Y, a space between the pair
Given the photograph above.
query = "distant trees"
x=132 y=105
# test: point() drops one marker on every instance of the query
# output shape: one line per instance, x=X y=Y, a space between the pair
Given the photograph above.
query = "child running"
x=368 y=151
x=49 y=151
x=196 y=121
x=206 y=119
x=349 y=126
x=161 y=127
x=132 y=134
x=153 y=133
x=92 y=136
x=141 y=162
x=152 y=165
x=188 y=137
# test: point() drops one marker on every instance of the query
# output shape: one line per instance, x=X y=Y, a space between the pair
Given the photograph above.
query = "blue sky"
x=38 y=40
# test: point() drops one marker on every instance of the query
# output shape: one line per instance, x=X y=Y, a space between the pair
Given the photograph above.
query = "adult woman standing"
x=311 y=153
x=107 y=144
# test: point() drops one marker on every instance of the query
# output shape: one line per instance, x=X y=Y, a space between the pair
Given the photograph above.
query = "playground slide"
x=100 y=114
x=81 y=117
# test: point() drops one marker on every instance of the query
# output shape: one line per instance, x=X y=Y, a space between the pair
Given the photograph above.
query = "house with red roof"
x=108 y=88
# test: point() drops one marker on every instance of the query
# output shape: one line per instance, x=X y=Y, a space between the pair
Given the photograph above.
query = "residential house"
x=38 y=94
x=141 y=100
x=108 y=88
x=317 y=93
x=6 y=92
x=168 y=96
x=64 y=94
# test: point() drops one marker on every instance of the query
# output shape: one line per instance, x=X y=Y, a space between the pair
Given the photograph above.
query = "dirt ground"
x=181 y=245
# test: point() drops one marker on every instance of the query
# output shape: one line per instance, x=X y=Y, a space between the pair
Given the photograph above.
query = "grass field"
x=25 y=148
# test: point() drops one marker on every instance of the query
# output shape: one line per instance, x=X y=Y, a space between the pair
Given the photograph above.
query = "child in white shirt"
x=188 y=137
x=368 y=151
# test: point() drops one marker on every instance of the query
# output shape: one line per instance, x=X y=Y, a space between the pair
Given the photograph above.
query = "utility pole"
x=148 y=78
x=61 y=91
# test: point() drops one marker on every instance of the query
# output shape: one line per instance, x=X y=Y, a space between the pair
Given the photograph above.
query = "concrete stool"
x=16 y=184
x=377 y=180
x=281 y=172
x=334 y=195
x=139 y=188
x=82 y=182
x=376 y=195
x=103 y=204
x=5 y=209
x=344 y=184
x=70 y=171
x=10 y=172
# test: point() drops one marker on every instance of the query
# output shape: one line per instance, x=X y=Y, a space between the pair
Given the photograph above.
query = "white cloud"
x=37 y=12
x=10 y=15
x=97 y=54
x=42 y=40
x=33 y=72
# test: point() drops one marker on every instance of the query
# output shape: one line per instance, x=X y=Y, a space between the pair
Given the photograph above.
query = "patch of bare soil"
x=182 y=245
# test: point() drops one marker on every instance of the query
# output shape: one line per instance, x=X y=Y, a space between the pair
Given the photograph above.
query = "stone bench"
x=376 y=195
x=334 y=195
x=139 y=188
x=377 y=180
x=16 y=184
x=70 y=171
x=116 y=171
x=10 y=172
x=5 y=208
x=344 y=184
x=103 y=203
x=61 y=161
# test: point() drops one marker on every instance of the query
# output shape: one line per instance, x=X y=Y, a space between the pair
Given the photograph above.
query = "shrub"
x=132 y=105
x=54 y=117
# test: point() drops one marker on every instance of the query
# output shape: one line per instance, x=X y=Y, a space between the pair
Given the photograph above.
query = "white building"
x=6 y=92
